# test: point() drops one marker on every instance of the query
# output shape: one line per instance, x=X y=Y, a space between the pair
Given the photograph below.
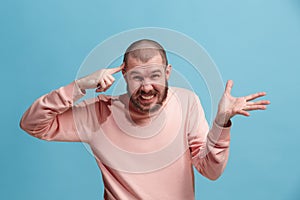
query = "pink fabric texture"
x=149 y=161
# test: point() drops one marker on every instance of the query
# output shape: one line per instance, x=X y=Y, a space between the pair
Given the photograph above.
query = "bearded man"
x=147 y=140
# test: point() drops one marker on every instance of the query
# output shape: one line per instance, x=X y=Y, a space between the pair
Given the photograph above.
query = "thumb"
x=228 y=87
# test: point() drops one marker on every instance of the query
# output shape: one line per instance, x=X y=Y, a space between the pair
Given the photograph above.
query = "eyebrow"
x=155 y=71
x=138 y=73
x=134 y=73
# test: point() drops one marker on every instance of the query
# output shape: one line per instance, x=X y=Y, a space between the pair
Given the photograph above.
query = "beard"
x=161 y=97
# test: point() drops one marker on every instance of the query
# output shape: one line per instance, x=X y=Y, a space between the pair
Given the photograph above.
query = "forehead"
x=146 y=69
x=136 y=63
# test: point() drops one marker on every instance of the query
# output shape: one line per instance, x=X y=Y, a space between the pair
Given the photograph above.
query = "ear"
x=168 y=71
x=124 y=71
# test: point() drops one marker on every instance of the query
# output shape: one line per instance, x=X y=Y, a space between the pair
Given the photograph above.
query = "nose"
x=146 y=87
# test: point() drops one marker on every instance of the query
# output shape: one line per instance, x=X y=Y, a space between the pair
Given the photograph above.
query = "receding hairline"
x=144 y=44
x=144 y=50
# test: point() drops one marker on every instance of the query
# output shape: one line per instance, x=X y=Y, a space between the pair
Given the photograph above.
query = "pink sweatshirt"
x=149 y=161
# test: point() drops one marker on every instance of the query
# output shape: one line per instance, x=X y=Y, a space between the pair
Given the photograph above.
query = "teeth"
x=147 y=97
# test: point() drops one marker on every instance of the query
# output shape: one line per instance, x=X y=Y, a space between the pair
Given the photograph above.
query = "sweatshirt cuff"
x=219 y=133
x=72 y=92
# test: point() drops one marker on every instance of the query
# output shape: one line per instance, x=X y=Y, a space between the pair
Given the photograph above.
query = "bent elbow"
x=214 y=177
x=24 y=126
x=212 y=171
x=32 y=129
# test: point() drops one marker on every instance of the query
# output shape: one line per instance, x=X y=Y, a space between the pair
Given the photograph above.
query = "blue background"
x=256 y=43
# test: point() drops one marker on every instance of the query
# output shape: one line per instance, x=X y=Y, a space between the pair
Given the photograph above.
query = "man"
x=145 y=141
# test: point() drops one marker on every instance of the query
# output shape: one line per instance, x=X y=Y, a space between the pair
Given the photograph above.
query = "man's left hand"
x=230 y=106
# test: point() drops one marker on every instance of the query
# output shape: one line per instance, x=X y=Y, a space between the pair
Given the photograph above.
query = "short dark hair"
x=144 y=50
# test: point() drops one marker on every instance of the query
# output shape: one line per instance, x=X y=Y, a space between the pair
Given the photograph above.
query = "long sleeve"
x=209 y=148
x=51 y=117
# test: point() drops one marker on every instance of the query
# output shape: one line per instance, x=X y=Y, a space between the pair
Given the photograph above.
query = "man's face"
x=147 y=83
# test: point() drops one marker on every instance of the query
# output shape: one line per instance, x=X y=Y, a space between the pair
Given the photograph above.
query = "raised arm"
x=54 y=116
x=210 y=148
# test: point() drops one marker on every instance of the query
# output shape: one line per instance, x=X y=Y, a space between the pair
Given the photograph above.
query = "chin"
x=150 y=109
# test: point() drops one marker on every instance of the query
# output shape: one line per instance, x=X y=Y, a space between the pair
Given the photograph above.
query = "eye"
x=155 y=76
x=137 y=78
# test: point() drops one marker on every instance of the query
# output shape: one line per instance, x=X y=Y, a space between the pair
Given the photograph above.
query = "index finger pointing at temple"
x=116 y=69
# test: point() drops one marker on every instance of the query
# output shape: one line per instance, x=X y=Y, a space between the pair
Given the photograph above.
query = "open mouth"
x=147 y=97
x=147 y=102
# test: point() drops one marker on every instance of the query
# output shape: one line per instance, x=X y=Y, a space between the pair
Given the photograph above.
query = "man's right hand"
x=101 y=79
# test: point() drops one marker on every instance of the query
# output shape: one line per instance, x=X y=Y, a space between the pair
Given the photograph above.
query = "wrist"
x=79 y=85
x=224 y=124
x=223 y=121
